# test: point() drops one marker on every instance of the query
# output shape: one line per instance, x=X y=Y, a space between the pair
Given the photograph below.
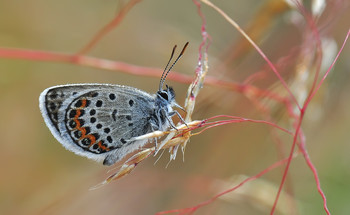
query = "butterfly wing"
x=97 y=120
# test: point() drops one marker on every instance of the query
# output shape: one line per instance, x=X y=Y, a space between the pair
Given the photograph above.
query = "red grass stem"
x=109 y=27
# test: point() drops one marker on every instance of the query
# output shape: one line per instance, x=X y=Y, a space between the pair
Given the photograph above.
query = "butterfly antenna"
x=166 y=67
x=166 y=74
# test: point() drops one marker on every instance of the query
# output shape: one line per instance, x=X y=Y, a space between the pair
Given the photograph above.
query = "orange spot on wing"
x=76 y=120
x=83 y=103
x=83 y=129
x=102 y=146
x=92 y=138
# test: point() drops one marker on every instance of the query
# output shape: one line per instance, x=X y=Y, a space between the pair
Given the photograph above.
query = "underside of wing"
x=96 y=120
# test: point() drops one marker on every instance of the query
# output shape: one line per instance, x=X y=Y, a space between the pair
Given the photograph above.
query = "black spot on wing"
x=72 y=113
x=109 y=139
x=114 y=113
x=99 y=103
x=77 y=134
x=92 y=94
x=112 y=96
x=86 y=141
x=92 y=112
x=79 y=103
x=55 y=116
x=52 y=106
x=106 y=130
x=96 y=135
x=72 y=124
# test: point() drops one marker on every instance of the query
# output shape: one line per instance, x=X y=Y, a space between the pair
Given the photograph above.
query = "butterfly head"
x=167 y=95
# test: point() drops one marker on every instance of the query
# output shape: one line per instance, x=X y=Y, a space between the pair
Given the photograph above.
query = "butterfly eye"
x=164 y=95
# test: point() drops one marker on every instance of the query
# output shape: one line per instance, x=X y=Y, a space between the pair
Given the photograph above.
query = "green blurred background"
x=38 y=176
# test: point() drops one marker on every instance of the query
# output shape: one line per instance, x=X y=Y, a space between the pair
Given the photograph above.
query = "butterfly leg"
x=154 y=127
x=169 y=118
x=180 y=117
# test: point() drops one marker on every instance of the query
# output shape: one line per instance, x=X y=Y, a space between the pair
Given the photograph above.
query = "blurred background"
x=38 y=176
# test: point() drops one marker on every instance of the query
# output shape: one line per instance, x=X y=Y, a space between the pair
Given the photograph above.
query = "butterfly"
x=99 y=121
